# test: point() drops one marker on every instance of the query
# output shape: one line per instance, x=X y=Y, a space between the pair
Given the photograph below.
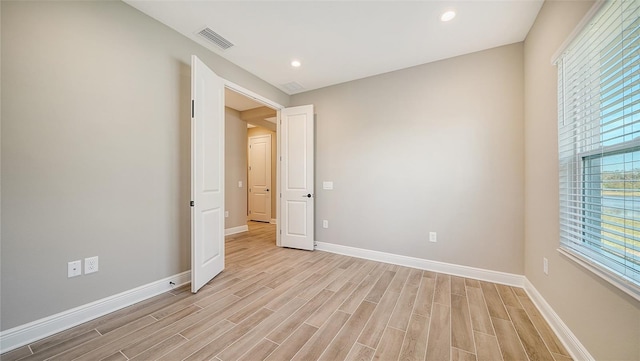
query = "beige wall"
x=437 y=147
x=235 y=201
x=606 y=321
x=274 y=146
x=95 y=151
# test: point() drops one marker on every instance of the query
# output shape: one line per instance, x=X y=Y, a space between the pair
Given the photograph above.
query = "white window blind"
x=599 y=144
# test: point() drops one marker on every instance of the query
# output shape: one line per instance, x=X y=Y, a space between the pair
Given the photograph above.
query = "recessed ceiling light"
x=295 y=63
x=448 y=15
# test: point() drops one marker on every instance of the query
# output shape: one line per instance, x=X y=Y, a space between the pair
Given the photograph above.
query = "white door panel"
x=207 y=174
x=260 y=178
x=297 y=167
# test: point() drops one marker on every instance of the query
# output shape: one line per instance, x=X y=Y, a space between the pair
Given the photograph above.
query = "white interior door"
x=207 y=174
x=296 y=221
x=260 y=178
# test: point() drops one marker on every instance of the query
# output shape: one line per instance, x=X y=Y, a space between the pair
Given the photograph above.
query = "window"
x=599 y=145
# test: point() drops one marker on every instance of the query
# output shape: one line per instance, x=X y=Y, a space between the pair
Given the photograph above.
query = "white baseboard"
x=568 y=339
x=273 y=221
x=32 y=331
x=234 y=230
x=435 y=266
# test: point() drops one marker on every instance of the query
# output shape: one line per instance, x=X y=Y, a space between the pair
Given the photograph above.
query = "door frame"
x=278 y=107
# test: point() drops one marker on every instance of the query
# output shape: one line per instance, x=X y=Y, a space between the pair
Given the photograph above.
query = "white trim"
x=249 y=94
x=32 y=331
x=234 y=230
x=273 y=221
x=576 y=31
x=568 y=339
x=420 y=263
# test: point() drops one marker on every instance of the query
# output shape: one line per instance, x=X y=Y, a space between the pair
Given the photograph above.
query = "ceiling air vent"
x=215 y=38
x=292 y=87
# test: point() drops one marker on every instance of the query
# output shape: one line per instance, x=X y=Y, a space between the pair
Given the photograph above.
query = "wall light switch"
x=327 y=185
x=226 y=214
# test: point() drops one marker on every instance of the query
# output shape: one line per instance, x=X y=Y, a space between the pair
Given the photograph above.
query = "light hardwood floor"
x=273 y=303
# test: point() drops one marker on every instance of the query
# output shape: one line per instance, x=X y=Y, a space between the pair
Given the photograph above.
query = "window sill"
x=621 y=283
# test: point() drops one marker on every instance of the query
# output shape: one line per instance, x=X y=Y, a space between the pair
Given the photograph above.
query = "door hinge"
x=249 y=212
x=192 y=203
x=192 y=107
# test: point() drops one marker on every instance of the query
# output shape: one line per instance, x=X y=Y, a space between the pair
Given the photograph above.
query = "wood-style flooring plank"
x=380 y=287
x=510 y=344
x=461 y=355
x=292 y=345
x=531 y=340
x=508 y=297
x=260 y=351
x=360 y=352
x=487 y=348
x=218 y=344
x=480 y=319
x=439 y=341
x=199 y=341
x=457 y=286
x=313 y=349
x=255 y=335
x=461 y=333
x=414 y=347
x=404 y=307
x=424 y=298
x=550 y=339
x=339 y=348
x=493 y=300
x=284 y=330
x=372 y=333
x=390 y=345
x=63 y=346
x=115 y=357
x=161 y=348
x=443 y=290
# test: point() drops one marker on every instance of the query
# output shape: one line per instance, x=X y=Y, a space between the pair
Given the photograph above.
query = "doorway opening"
x=250 y=162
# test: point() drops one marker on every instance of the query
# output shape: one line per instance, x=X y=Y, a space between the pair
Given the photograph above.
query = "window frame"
x=576 y=210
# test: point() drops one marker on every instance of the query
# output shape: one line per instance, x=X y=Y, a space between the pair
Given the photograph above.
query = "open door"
x=207 y=174
x=296 y=220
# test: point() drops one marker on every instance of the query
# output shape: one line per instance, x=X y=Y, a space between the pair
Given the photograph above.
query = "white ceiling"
x=339 y=41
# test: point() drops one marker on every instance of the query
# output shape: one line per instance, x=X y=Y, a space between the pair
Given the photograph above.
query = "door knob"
x=267 y=189
x=307 y=196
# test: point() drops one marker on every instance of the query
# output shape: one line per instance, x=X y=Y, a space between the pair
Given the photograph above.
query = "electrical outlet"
x=74 y=269
x=239 y=184
x=545 y=265
x=325 y=223
x=90 y=265
x=226 y=214
x=433 y=237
